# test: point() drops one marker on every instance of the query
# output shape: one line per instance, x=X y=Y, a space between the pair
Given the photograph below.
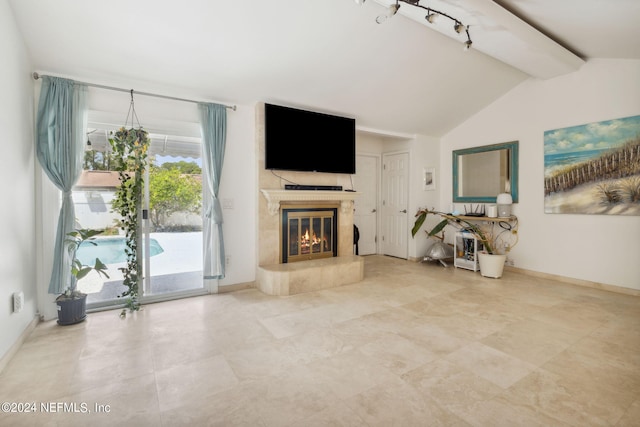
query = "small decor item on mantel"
x=72 y=304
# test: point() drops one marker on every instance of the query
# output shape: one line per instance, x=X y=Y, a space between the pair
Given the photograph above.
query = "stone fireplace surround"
x=275 y=278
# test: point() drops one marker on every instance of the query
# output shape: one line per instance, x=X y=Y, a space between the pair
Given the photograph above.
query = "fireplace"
x=308 y=233
x=336 y=268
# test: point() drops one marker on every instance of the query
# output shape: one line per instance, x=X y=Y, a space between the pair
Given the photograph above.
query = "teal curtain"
x=213 y=121
x=60 y=134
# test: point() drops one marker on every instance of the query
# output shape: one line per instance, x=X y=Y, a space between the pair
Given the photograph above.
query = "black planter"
x=72 y=310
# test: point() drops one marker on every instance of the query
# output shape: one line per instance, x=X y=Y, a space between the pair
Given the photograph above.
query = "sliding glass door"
x=172 y=224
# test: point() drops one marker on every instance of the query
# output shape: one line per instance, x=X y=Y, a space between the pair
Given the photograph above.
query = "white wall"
x=17 y=244
x=424 y=153
x=596 y=248
x=239 y=184
x=367 y=143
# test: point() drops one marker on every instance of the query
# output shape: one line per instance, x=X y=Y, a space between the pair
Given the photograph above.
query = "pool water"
x=110 y=250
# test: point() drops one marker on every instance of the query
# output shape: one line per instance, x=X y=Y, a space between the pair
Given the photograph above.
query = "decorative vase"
x=491 y=265
x=72 y=310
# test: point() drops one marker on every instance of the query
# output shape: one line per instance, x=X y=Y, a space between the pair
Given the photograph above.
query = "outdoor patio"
x=177 y=268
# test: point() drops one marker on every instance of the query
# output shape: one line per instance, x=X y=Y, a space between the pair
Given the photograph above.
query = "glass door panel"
x=173 y=229
x=92 y=198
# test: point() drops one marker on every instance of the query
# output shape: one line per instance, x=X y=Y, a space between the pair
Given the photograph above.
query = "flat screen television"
x=307 y=141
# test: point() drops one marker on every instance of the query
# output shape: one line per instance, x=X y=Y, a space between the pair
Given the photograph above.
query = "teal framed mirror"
x=481 y=173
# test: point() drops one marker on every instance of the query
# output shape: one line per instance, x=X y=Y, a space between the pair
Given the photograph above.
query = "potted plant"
x=72 y=304
x=493 y=255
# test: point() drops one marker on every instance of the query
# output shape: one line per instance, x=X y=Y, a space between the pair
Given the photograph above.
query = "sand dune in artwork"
x=585 y=199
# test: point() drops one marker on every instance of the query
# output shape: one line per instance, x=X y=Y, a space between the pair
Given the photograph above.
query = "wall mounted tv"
x=307 y=141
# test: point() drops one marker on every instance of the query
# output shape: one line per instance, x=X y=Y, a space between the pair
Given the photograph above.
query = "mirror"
x=481 y=173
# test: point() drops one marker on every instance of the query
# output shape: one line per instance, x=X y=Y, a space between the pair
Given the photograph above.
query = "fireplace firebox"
x=308 y=233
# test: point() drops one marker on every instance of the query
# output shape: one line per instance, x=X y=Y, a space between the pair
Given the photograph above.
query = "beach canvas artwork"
x=593 y=168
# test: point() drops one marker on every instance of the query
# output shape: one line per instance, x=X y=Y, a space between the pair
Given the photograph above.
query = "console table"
x=511 y=218
x=466 y=245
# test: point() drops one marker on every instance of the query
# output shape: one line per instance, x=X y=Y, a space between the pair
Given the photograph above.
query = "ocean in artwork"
x=558 y=161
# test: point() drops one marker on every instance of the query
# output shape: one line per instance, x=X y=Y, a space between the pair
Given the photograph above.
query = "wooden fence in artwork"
x=617 y=163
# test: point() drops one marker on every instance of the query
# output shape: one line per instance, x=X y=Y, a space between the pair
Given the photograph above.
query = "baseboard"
x=565 y=279
x=577 y=282
x=236 y=287
x=4 y=361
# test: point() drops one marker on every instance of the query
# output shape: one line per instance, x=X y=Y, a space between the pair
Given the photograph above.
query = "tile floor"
x=414 y=344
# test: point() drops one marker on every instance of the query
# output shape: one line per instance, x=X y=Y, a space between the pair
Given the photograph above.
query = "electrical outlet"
x=227 y=203
x=18 y=301
x=227 y=260
x=510 y=262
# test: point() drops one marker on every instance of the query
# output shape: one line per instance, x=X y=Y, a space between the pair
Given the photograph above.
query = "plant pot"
x=491 y=265
x=71 y=310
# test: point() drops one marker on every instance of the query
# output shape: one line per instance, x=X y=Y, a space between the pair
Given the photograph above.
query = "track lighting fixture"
x=431 y=16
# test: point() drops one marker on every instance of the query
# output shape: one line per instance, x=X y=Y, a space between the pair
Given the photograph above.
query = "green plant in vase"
x=492 y=241
x=72 y=303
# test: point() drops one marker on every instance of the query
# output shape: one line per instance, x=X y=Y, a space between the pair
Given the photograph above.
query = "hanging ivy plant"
x=130 y=160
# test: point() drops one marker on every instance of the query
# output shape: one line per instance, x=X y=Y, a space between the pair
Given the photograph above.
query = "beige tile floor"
x=412 y=345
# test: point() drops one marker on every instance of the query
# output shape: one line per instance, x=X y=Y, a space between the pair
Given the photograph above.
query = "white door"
x=365 y=215
x=395 y=188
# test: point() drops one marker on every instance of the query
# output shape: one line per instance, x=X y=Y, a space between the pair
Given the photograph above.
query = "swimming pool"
x=110 y=250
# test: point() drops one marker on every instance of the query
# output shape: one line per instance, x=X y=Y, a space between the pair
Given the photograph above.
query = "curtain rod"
x=36 y=76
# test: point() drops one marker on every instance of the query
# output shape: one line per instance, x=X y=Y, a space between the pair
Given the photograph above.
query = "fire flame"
x=308 y=241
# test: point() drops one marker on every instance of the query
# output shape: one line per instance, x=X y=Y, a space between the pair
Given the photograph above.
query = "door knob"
x=404 y=211
x=374 y=210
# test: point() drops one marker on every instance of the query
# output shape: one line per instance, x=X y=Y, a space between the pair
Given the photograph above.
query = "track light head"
x=458 y=27
x=467 y=45
x=391 y=10
x=359 y=2
x=431 y=17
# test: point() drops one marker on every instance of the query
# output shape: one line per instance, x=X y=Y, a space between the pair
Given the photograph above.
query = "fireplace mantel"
x=275 y=197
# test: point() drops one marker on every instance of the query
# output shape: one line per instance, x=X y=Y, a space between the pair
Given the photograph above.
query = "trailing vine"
x=130 y=160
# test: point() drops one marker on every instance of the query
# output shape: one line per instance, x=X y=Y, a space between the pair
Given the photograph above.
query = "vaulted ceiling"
x=403 y=76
